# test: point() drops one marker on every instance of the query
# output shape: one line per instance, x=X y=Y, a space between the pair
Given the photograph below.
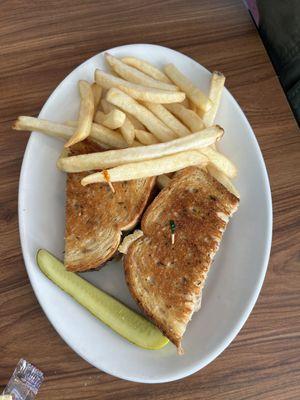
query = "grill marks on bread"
x=95 y=217
x=165 y=279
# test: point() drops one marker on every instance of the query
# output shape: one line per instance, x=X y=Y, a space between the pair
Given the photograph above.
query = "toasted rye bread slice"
x=166 y=280
x=96 y=217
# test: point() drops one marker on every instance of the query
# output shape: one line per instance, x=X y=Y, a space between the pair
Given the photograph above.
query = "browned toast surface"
x=95 y=216
x=165 y=279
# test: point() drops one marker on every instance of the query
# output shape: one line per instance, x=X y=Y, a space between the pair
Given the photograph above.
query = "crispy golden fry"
x=188 y=117
x=138 y=92
x=168 y=119
x=186 y=103
x=163 y=181
x=222 y=178
x=192 y=92
x=147 y=68
x=135 y=76
x=88 y=162
x=86 y=114
x=193 y=107
x=128 y=131
x=60 y=131
x=145 y=137
x=97 y=92
x=135 y=122
x=220 y=162
x=107 y=107
x=63 y=154
x=128 y=104
x=105 y=135
x=148 y=168
x=215 y=92
x=54 y=129
x=113 y=120
x=100 y=117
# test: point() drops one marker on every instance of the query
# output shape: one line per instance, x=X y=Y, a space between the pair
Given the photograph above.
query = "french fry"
x=192 y=92
x=106 y=106
x=53 y=129
x=147 y=68
x=194 y=108
x=186 y=103
x=135 y=76
x=135 y=122
x=148 y=168
x=188 y=117
x=100 y=117
x=86 y=114
x=163 y=181
x=64 y=153
x=168 y=119
x=145 y=137
x=223 y=179
x=105 y=135
x=97 y=92
x=220 y=162
x=128 y=131
x=113 y=120
x=215 y=92
x=128 y=104
x=138 y=92
x=60 y=131
x=112 y=158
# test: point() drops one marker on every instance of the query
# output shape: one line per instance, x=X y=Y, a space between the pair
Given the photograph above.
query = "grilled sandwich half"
x=96 y=217
x=167 y=279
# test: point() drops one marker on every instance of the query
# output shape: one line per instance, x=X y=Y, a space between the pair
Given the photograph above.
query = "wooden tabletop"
x=40 y=43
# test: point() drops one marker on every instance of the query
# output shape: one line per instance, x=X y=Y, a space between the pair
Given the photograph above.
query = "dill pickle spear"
x=126 y=322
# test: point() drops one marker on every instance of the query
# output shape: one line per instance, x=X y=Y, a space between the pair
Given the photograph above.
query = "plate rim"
x=266 y=256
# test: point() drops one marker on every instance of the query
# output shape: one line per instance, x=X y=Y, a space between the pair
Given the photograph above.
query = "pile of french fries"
x=150 y=123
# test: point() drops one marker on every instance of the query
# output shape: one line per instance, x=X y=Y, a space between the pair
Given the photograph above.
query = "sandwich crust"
x=96 y=217
x=166 y=280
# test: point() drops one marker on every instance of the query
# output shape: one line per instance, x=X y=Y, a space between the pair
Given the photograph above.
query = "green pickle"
x=126 y=322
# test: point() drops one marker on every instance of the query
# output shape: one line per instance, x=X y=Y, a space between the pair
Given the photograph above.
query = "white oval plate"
x=233 y=283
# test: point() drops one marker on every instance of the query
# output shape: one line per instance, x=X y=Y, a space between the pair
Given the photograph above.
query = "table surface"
x=40 y=43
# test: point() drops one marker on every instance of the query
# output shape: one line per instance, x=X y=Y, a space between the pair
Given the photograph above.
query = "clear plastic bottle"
x=24 y=382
